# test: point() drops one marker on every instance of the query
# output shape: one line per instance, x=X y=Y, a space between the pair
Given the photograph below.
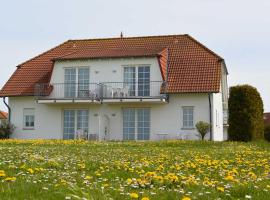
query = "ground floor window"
x=136 y=124
x=188 y=116
x=29 y=118
x=75 y=122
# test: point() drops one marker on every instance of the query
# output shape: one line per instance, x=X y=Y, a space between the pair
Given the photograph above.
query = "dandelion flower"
x=134 y=195
x=145 y=198
x=221 y=189
x=10 y=179
x=229 y=178
x=186 y=198
x=2 y=173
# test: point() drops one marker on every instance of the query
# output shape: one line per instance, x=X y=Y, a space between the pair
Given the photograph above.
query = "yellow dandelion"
x=10 y=179
x=88 y=177
x=129 y=181
x=134 y=195
x=186 y=198
x=229 y=178
x=30 y=170
x=145 y=198
x=2 y=173
x=221 y=189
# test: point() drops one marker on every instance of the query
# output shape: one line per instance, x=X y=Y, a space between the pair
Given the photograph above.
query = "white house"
x=126 y=88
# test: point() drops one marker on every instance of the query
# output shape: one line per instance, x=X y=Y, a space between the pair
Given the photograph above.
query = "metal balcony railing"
x=99 y=91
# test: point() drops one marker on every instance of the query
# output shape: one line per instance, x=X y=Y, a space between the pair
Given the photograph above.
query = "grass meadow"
x=55 y=169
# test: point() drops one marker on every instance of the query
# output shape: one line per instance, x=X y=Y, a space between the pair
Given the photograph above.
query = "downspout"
x=210 y=116
x=9 y=110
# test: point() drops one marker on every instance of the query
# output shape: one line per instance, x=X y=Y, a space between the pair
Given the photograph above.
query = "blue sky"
x=239 y=30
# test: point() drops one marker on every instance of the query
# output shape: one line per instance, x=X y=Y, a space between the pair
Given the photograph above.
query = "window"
x=69 y=124
x=74 y=121
x=144 y=81
x=70 y=82
x=130 y=79
x=83 y=82
x=29 y=118
x=188 y=118
x=129 y=124
x=137 y=79
x=143 y=128
x=76 y=82
x=136 y=124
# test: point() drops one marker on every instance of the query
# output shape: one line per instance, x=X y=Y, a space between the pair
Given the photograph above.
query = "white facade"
x=106 y=119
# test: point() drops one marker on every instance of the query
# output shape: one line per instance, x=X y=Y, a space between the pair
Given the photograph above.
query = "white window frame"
x=29 y=112
x=77 y=77
x=137 y=75
x=75 y=120
x=136 y=122
x=188 y=120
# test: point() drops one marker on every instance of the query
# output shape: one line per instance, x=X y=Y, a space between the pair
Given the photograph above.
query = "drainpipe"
x=9 y=110
x=210 y=116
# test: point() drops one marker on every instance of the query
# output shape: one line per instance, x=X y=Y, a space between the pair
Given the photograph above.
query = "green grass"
x=51 y=169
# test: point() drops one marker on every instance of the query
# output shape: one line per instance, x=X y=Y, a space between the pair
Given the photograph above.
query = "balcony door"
x=137 y=80
x=75 y=122
x=76 y=82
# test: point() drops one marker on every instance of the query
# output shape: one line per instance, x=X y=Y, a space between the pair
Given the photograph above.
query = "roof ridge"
x=44 y=52
x=131 y=37
x=203 y=46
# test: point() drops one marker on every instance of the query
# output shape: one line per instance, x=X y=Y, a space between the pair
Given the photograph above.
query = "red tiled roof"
x=187 y=65
x=3 y=115
x=266 y=118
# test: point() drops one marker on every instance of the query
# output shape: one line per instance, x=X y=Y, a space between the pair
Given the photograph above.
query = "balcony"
x=110 y=92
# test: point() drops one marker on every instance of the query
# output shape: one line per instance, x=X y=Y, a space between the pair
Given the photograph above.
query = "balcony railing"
x=100 y=91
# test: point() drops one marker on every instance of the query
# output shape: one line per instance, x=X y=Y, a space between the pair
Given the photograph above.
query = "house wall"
x=106 y=70
x=217 y=117
x=166 y=118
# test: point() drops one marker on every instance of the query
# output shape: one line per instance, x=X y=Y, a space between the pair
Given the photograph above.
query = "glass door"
x=76 y=124
x=130 y=80
x=136 y=124
x=70 y=83
x=144 y=81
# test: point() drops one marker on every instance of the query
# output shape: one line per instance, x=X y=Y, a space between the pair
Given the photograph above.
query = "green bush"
x=245 y=114
x=267 y=133
x=6 y=130
x=203 y=128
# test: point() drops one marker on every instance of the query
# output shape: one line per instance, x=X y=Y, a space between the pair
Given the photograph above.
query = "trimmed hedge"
x=245 y=114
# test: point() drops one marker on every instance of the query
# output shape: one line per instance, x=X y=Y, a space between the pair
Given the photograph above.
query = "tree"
x=245 y=114
x=203 y=128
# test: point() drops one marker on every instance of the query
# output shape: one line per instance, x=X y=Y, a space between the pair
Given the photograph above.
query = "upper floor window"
x=188 y=117
x=76 y=82
x=137 y=79
x=29 y=118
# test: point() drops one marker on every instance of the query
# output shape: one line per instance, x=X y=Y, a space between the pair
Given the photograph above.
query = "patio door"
x=75 y=123
x=136 y=123
x=137 y=80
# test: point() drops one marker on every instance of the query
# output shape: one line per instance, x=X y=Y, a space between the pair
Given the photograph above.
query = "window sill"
x=188 y=128
x=28 y=128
